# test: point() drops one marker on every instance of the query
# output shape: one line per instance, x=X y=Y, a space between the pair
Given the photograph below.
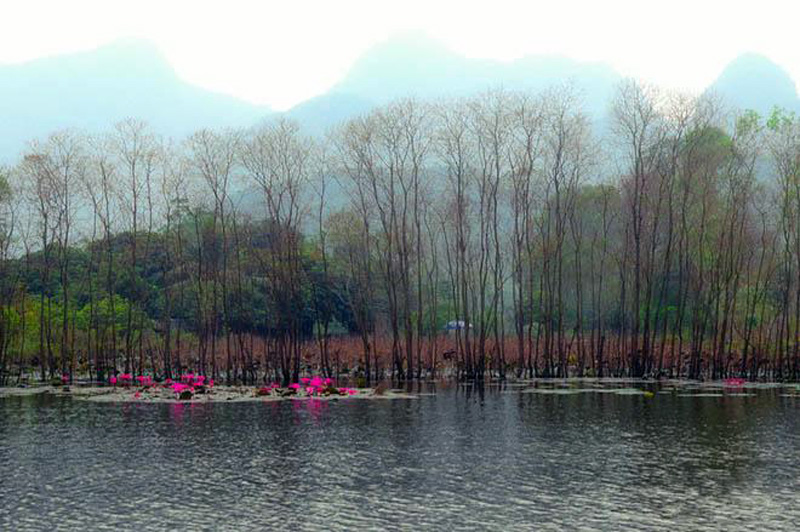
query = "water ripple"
x=453 y=461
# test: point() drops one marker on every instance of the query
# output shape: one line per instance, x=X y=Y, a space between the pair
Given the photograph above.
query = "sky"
x=280 y=53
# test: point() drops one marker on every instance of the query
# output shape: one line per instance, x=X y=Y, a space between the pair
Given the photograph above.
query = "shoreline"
x=160 y=395
x=238 y=394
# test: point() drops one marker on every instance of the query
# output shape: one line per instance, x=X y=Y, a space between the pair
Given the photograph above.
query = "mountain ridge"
x=91 y=90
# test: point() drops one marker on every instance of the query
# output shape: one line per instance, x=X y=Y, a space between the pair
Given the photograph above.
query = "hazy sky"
x=282 y=52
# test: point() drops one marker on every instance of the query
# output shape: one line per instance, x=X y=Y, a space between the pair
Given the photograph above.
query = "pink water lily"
x=309 y=387
x=735 y=382
x=179 y=387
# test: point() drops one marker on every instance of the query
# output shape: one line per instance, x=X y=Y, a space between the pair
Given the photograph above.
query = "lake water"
x=460 y=459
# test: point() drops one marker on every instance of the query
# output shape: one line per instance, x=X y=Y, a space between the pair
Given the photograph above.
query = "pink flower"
x=316 y=381
x=137 y=395
x=210 y=382
x=352 y=392
x=305 y=380
x=112 y=380
x=328 y=382
x=294 y=386
x=734 y=382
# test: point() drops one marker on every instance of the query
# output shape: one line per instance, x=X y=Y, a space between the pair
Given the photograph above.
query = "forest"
x=497 y=236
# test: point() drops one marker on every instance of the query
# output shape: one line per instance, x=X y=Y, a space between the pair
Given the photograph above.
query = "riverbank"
x=544 y=386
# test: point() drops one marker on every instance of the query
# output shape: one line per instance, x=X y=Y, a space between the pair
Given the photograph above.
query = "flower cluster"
x=189 y=382
x=144 y=380
x=124 y=379
x=308 y=386
x=734 y=382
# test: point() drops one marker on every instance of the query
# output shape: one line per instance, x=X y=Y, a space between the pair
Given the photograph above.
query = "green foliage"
x=104 y=314
x=748 y=123
x=780 y=119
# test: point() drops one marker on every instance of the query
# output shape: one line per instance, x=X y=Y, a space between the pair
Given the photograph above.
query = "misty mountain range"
x=92 y=90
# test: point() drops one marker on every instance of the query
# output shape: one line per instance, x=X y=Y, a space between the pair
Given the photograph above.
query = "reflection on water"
x=459 y=459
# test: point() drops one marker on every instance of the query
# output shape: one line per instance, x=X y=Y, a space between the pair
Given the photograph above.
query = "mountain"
x=413 y=64
x=317 y=115
x=92 y=90
x=752 y=81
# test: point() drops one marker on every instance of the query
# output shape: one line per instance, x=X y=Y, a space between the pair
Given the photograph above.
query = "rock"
x=186 y=395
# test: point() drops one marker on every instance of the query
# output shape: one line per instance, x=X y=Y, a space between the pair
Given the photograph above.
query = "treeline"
x=495 y=235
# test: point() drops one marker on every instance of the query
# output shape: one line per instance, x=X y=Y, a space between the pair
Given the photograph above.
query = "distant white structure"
x=457 y=325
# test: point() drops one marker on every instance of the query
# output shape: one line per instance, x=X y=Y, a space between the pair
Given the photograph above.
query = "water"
x=459 y=459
